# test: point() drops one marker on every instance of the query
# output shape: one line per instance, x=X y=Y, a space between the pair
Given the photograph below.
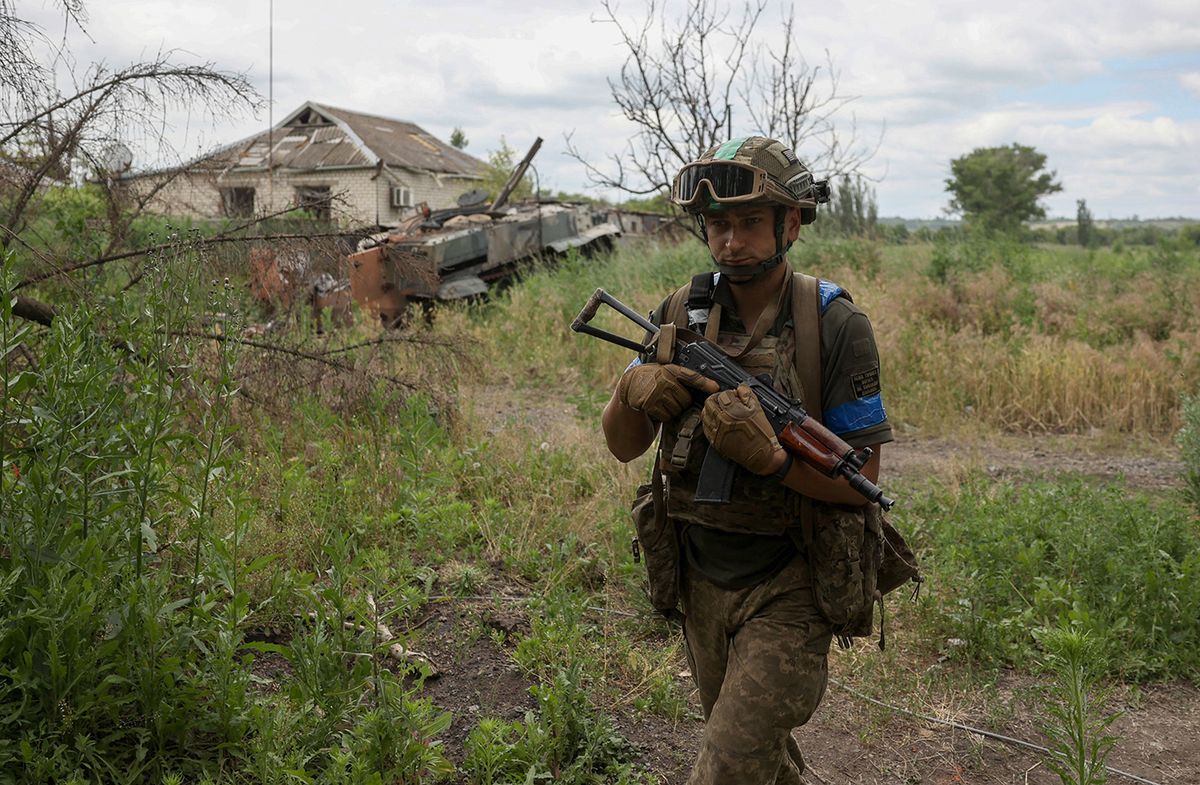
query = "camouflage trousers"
x=759 y=659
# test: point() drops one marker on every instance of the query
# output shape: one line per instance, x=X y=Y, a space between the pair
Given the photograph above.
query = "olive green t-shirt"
x=852 y=407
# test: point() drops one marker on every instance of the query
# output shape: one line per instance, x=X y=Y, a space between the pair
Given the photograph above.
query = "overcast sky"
x=1108 y=90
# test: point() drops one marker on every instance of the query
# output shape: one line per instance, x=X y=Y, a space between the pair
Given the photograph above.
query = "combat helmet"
x=750 y=170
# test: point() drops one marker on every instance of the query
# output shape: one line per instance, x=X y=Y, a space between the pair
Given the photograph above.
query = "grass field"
x=201 y=547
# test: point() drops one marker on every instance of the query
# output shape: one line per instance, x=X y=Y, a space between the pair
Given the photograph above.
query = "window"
x=315 y=199
x=401 y=196
x=237 y=202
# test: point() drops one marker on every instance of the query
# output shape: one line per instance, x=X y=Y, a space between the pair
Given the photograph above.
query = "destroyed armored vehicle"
x=457 y=253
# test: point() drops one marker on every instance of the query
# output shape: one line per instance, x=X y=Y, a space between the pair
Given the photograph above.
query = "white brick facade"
x=362 y=196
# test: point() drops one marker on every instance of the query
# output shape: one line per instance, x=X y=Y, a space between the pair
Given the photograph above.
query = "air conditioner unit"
x=401 y=197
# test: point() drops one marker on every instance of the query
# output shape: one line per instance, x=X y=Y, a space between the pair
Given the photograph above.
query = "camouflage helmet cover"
x=788 y=181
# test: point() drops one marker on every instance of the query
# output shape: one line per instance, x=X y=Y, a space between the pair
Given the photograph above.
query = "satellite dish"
x=472 y=198
x=116 y=158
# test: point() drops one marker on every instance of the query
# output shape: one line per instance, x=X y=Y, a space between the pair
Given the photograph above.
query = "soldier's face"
x=744 y=236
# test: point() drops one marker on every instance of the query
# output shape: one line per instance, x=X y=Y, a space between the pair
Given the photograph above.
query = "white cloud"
x=944 y=77
x=1191 y=82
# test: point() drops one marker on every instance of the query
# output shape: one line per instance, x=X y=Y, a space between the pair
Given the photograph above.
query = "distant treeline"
x=1102 y=233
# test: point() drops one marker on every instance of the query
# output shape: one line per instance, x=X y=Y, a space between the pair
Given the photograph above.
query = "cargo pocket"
x=659 y=547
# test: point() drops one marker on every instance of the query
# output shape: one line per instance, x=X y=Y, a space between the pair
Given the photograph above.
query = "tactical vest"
x=760 y=505
x=854 y=554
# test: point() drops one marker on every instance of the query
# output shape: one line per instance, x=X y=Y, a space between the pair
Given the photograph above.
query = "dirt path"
x=850 y=740
x=914 y=457
x=910 y=457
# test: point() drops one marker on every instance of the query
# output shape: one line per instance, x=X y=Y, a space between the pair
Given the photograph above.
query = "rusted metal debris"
x=458 y=255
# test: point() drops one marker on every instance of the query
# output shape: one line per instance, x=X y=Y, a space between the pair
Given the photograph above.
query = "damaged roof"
x=317 y=136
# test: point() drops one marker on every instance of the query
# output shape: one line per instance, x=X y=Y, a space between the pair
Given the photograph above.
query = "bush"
x=127 y=570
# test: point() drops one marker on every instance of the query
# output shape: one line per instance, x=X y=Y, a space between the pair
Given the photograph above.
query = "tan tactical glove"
x=661 y=391
x=736 y=426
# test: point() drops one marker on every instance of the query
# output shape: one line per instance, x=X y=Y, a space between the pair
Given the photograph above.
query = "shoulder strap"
x=806 y=333
x=676 y=313
x=806 y=329
x=691 y=303
x=701 y=295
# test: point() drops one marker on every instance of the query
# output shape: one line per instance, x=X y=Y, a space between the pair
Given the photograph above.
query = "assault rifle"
x=801 y=435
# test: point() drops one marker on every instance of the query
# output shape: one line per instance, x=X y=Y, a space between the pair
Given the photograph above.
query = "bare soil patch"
x=1145 y=464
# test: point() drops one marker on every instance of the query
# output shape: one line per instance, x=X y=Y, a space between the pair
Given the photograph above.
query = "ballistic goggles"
x=728 y=182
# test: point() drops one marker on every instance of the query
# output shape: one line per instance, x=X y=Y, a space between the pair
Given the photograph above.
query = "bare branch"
x=320 y=359
x=704 y=77
x=44 y=131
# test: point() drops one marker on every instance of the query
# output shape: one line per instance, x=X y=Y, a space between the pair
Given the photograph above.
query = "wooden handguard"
x=797 y=440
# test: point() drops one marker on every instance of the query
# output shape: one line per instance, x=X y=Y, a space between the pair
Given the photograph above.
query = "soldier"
x=756 y=639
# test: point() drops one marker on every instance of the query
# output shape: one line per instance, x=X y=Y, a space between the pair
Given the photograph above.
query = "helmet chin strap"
x=750 y=272
x=755 y=270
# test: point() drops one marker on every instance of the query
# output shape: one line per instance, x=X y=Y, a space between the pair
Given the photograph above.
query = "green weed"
x=132 y=567
x=565 y=740
x=1011 y=559
x=1078 y=737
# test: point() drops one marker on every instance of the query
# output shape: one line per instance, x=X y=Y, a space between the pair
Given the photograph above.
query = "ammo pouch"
x=855 y=556
x=659 y=545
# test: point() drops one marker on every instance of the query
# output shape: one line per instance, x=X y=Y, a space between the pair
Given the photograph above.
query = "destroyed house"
x=341 y=165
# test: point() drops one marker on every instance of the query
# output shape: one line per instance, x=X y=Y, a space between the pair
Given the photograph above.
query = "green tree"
x=997 y=189
x=458 y=139
x=852 y=211
x=1084 y=223
x=500 y=165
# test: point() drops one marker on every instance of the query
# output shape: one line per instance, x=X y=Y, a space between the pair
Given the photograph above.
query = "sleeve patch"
x=865 y=383
x=855 y=415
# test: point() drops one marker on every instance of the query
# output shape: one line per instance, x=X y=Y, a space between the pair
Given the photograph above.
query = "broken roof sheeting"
x=316 y=136
x=405 y=144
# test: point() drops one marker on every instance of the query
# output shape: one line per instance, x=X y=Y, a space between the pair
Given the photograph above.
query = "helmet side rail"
x=798 y=433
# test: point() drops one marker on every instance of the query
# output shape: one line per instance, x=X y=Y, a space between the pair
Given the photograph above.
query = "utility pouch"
x=659 y=544
x=855 y=557
x=844 y=547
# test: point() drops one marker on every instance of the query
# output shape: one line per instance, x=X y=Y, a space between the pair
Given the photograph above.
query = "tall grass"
x=1189 y=443
x=190 y=586
x=1041 y=340
x=994 y=335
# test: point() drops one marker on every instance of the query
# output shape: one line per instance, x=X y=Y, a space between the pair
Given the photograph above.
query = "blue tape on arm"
x=856 y=415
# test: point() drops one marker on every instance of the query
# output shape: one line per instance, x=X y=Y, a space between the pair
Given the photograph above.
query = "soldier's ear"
x=791 y=225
